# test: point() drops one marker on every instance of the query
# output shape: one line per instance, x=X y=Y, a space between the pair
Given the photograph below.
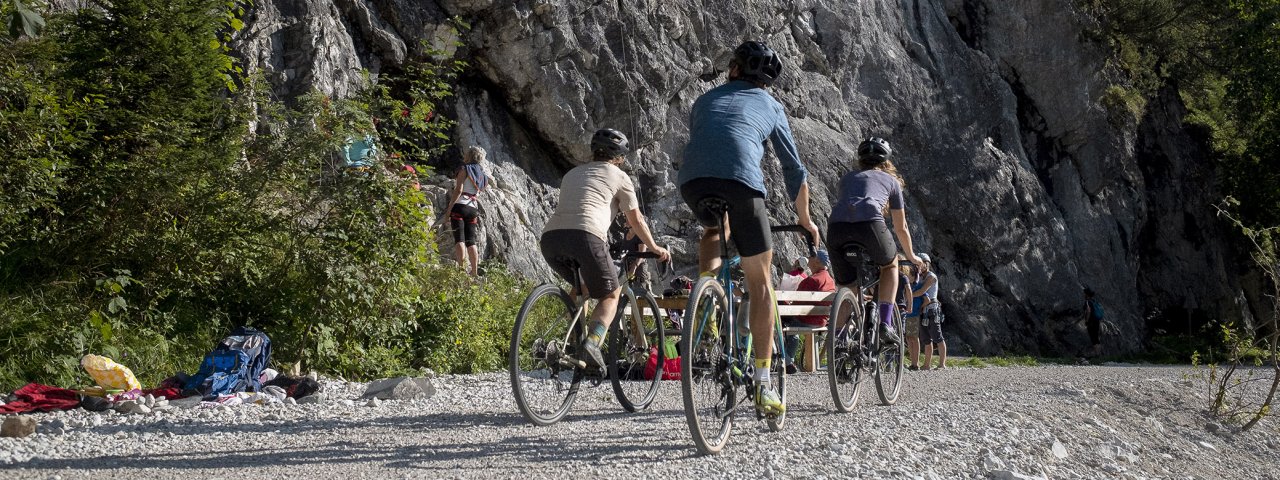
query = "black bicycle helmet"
x=757 y=62
x=608 y=143
x=874 y=150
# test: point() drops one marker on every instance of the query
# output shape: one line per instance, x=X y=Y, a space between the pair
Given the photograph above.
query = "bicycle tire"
x=844 y=368
x=543 y=387
x=890 y=366
x=628 y=353
x=704 y=367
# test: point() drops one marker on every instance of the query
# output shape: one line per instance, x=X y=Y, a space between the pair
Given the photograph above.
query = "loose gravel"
x=1115 y=421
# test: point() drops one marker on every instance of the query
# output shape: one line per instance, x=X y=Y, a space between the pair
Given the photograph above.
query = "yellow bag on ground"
x=109 y=374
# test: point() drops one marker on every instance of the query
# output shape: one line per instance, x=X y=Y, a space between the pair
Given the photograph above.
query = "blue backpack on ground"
x=234 y=365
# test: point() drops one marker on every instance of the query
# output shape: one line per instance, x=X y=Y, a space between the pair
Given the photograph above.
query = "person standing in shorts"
x=728 y=126
x=464 y=213
x=575 y=240
x=910 y=314
x=924 y=292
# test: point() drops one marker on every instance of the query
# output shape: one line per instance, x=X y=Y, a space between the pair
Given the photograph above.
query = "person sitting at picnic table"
x=819 y=280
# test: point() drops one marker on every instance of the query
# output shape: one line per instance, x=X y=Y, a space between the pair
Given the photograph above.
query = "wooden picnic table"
x=791 y=303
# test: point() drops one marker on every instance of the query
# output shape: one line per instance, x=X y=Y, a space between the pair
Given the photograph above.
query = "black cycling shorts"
x=464 y=220
x=748 y=219
x=873 y=236
x=568 y=251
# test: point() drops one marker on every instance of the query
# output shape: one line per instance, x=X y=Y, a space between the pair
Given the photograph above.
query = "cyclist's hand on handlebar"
x=915 y=260
x=813 y=232
x=662 y=253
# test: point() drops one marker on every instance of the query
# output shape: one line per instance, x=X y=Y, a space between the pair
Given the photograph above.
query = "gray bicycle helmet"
x=874 y=151
x=757 y=63
x=608 y=143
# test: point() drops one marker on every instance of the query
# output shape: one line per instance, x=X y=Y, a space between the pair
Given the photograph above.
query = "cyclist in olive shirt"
x=575 y=238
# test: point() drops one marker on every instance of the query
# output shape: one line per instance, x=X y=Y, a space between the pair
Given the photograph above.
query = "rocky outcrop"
x=1021 y=185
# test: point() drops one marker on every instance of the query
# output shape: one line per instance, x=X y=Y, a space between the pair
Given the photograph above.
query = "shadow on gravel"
x=511 y=454
x=294 y=427
x=508 y=455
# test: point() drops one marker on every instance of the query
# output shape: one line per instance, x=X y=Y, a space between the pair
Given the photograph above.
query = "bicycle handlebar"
x=797 y=228
x=666 y=266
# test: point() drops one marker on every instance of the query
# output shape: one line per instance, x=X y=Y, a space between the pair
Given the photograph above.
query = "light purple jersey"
x=863 y=195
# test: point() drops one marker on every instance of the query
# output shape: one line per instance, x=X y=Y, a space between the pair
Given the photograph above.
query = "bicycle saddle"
x=714 y=205
x=856 y=253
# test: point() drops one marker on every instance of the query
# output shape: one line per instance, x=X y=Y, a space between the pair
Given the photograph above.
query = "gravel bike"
x=544 y=361
x=854 y=347
x=717 y=359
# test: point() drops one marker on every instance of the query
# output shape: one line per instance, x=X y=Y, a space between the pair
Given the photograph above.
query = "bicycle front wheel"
x=636 y=340
x=706 y=379
x=889 y=366
x=844 y=350
x=544 y=380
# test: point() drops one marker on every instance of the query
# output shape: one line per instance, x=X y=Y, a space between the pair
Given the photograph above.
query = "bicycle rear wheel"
x=635 y=340
x=844 y=341
x=889 y=366
x=543 y=381
x=706 y=382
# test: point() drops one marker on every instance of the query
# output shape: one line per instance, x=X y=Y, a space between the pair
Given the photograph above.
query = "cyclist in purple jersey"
x=858 y=217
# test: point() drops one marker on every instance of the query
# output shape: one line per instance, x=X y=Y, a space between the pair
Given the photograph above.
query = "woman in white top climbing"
x=464 y=215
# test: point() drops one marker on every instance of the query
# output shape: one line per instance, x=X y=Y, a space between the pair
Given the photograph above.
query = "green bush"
x=159 y=198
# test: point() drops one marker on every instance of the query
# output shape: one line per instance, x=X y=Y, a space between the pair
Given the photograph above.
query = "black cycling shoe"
x=887 y=332
x=791 y=369
x=591 y=354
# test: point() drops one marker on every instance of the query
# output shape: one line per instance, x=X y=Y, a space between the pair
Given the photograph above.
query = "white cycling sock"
x=760 y=375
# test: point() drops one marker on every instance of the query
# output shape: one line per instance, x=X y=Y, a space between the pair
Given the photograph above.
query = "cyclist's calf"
x=758 y=270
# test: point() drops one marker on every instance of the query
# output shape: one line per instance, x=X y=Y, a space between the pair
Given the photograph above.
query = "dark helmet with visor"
x=757 y=62
x=609 y=143
x=874 y=151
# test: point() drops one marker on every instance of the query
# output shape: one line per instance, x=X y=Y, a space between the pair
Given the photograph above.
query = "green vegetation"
x=154 y=196
x=1010 y=361
x=1221 y=58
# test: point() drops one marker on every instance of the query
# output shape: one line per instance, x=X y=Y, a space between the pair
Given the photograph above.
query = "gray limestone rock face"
x=1020 y=183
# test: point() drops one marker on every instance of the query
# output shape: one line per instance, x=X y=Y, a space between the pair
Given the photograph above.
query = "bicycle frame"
x=581 y=299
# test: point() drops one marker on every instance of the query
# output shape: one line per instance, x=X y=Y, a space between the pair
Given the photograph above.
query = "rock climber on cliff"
x=727 y=129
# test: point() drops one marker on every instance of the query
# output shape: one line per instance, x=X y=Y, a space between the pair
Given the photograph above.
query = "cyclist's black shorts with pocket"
x=578 y=250
x=875 y=239
x=748 y=219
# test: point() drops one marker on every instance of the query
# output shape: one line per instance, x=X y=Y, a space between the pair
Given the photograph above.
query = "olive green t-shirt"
x=590 y=195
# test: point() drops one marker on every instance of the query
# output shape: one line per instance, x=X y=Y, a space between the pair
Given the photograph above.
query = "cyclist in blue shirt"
x=727 y=129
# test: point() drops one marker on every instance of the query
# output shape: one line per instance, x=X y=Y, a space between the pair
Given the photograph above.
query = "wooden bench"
x=802 y=304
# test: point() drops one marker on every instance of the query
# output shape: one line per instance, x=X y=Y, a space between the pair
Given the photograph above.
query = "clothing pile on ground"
x=234 y=372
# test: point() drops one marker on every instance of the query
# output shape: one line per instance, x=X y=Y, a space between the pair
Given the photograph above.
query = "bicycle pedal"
x=570 y=362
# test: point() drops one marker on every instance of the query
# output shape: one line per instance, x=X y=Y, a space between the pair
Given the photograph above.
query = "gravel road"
x=1113 y=421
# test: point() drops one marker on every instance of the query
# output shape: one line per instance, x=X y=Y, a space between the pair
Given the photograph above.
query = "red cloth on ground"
x=817 y=282
x=170 y=393
x=34 y=396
